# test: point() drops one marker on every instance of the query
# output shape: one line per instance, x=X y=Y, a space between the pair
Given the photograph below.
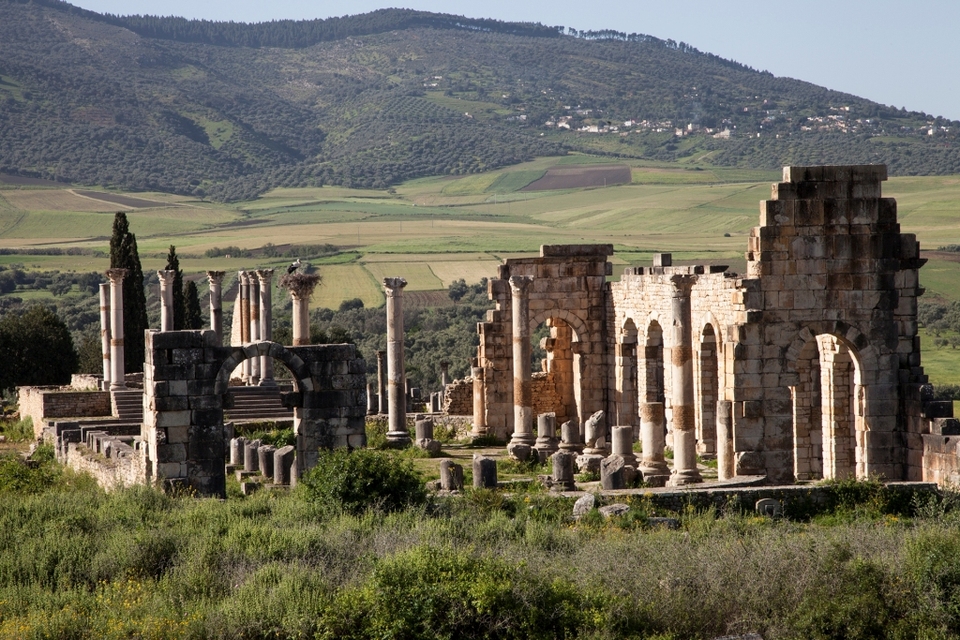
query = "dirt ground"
x=579 y=177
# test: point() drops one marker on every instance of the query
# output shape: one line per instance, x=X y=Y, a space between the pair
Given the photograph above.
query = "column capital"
x=444 y=365
x=166 y=277
x=216 y=277
x=265 y=276
x=682 y=284
x=394 y=286
x=117 y=275
x=300 y=285
x=520 y=285
x=243 y=277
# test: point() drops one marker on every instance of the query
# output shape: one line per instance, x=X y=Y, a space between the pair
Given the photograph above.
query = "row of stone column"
x=681 y=369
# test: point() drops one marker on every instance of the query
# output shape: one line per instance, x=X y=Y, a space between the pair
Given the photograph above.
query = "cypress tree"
x=124 y=255
x=179 y=302
x=193 y=318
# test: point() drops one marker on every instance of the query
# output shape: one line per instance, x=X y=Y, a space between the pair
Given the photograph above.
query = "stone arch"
x=578 y=325
x=627 y=397
x=652 y=387
x=561 y=378
x=301 y=372
x=829 y=360
x=707 y=389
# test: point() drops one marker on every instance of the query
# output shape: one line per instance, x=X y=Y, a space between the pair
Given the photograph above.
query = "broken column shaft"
x=479 y=408
x=397 y=432
x=117 y=373
x=105 y=333
x=254 y=296
x=167 y=278
x=215 y=278
x=265 y=277
x=382 y=382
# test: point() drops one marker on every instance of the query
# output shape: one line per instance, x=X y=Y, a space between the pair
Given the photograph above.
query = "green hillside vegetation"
x=227 y=111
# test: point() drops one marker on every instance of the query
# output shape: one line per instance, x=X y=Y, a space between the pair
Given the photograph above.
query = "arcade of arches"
x=805 y=367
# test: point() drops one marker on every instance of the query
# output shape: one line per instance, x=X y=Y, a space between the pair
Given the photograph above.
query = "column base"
x=683 y=477
x=268 y=382
x=398 y=439
x=521 y=445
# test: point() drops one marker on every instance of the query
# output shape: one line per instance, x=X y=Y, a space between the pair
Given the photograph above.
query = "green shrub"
x=429 y=592
x=354 y=481
x=17 y=430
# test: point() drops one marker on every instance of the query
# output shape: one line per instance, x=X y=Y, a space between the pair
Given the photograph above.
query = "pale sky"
x=905 y=54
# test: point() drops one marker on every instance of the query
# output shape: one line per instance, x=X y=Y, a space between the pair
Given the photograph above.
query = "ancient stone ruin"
x=805 y=367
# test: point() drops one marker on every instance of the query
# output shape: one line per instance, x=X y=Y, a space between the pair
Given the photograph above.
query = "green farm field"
x=434 y=231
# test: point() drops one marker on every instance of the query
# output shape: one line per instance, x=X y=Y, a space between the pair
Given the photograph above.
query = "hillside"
x=227 y=111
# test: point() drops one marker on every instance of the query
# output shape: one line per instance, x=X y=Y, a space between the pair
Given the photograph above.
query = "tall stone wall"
x=831 y=261
x=568 y=287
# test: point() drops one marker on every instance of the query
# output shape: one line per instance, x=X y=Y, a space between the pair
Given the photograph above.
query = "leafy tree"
x=124 y=255
x=193 y=319
x=35 y=349
x=179 y=301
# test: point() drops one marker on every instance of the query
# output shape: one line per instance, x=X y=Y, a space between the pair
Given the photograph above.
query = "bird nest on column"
x=300 y=284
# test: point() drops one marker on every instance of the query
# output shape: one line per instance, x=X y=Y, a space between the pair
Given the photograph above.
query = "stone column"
x=479 y=406
x=243 y=282
x=725 y=457
x=300 y=286
x=265 y=276
x=166 y=298
x=396 y=374
x=652 y=440
x=444 y=374
x=382 y=382
x=681 y=369
x=522 y=389
x=215 y=278
x=254 y=289
x=117 y=373
x=105 y=333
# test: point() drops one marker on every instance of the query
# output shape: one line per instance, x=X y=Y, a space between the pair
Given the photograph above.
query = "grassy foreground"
x=76 y=562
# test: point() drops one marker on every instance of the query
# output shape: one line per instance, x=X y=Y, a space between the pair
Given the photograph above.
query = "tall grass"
x=76 y=562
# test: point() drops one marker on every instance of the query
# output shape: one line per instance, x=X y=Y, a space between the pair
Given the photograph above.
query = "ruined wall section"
x=42 y=404
x=569 y=284
x=187 y=376
x=830 y=260
x=644 y=295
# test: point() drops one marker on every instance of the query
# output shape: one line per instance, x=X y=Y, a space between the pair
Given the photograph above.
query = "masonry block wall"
x=568 y=291
x=809 y=362
x=41 y=404
x=186 y=377
x=831 y=263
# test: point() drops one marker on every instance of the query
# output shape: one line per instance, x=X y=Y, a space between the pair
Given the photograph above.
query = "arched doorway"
x=555 y=369
x=708 y=393
x=627 y=401
x=828 y=423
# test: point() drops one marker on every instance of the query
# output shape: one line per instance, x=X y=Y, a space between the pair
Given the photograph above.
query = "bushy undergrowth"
x=76 y=562
x=354 y=481
x=17 y=430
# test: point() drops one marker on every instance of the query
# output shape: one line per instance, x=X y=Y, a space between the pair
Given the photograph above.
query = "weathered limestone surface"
x=186 y=383
x=806 y=367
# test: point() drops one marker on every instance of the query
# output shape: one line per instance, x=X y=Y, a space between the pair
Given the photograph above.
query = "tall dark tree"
x=35 y=349
x=124 y=255
x=193 y=319
x=179 y=302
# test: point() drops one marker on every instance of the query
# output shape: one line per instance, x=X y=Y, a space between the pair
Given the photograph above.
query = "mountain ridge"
x=86 y=99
